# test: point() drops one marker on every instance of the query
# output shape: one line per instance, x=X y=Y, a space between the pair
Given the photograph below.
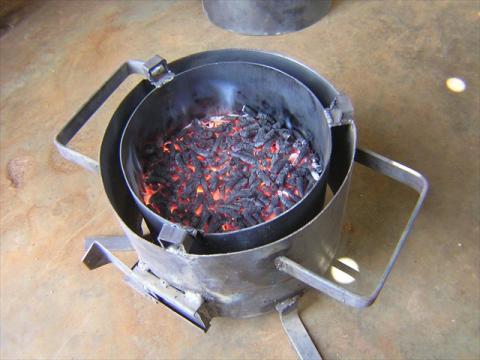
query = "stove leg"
x=112 y=242
x=296 y=332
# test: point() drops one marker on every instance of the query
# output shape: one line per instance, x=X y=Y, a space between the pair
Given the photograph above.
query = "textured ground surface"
x=391 y=57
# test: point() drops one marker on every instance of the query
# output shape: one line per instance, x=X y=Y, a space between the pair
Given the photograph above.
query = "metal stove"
x=250 y=282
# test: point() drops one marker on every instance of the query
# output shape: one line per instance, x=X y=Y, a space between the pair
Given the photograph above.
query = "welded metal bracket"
x=157 y=72
x=111 y=242
x=296 y=331
x=189 y=305
x=340 y=111
x=181 y=238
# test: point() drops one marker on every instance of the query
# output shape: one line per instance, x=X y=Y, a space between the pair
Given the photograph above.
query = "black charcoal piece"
x=245 y=157
x=286 y=202
x=277 y=166
x=283 y=173
x=299 y=183
x=249 y=110
x=249 y=219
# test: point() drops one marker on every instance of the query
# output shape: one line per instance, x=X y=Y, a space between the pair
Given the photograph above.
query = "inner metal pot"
x=224 y=87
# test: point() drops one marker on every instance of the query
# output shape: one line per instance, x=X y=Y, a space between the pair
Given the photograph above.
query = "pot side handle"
x=396 y=171
x=155 y=70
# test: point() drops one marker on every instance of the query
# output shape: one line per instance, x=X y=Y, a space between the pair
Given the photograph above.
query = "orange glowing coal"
x=216 y=195
x=147 y=195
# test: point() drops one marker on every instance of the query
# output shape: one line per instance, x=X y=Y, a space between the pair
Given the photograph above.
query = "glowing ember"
x=228 y=172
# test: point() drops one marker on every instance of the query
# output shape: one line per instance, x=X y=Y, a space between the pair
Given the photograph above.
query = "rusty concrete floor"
x=391 y=57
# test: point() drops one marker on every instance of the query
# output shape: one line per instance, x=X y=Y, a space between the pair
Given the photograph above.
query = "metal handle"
x=396 y=171
x=155 y=70
x=189 y=305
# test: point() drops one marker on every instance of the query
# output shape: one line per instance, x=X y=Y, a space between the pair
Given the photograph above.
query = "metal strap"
x=296 y=331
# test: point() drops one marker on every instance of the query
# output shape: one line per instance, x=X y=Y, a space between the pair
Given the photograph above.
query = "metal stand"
x=296 y=331
x=189 y=305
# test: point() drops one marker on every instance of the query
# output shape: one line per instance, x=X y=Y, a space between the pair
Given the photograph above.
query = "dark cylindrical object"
x=222 y=88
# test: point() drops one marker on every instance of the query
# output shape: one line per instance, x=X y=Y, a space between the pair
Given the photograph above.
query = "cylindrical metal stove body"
x=244 y=283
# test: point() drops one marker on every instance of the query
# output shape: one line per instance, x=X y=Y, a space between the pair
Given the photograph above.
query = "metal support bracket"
x=340 y=111
x=181 y=238
x=296 y=331
x=189 y=305
x=112 y=243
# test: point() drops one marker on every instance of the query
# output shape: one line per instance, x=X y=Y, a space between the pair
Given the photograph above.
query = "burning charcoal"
x=267 y=145
x=252 y=178
x=244 y=157
x=300 y=185
x=264 y=177
x=196 y=163
x=277 y=166
x=259 y=137
x=251 y=127
x=315 y=175
x=269 y=135
x=159 y=142
x=263 y=199
x=297 y=134
x=230 y=183
x=200 y=151
x=229 y=212
x=277 y=125
x=253 y=187
x=241 y=194
x=247 y=133
x=291 y=195
x=214 y=224
x=301 y=155
x=195 y=221
x=250 y=203
x=286 y=133
x=256 y=216
x=179 y=162
x=149 y=149
x=213 y=181
x=154 y=178
x=198 y=125
x=240 y=184
x=249 y=219
x=286 y=202
x=238 y=146
x=254 y=165
x=275 y=200
x=283 y=173
x=277 y=211
x=218 y=140
x=204 y=218
x=249 y=111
